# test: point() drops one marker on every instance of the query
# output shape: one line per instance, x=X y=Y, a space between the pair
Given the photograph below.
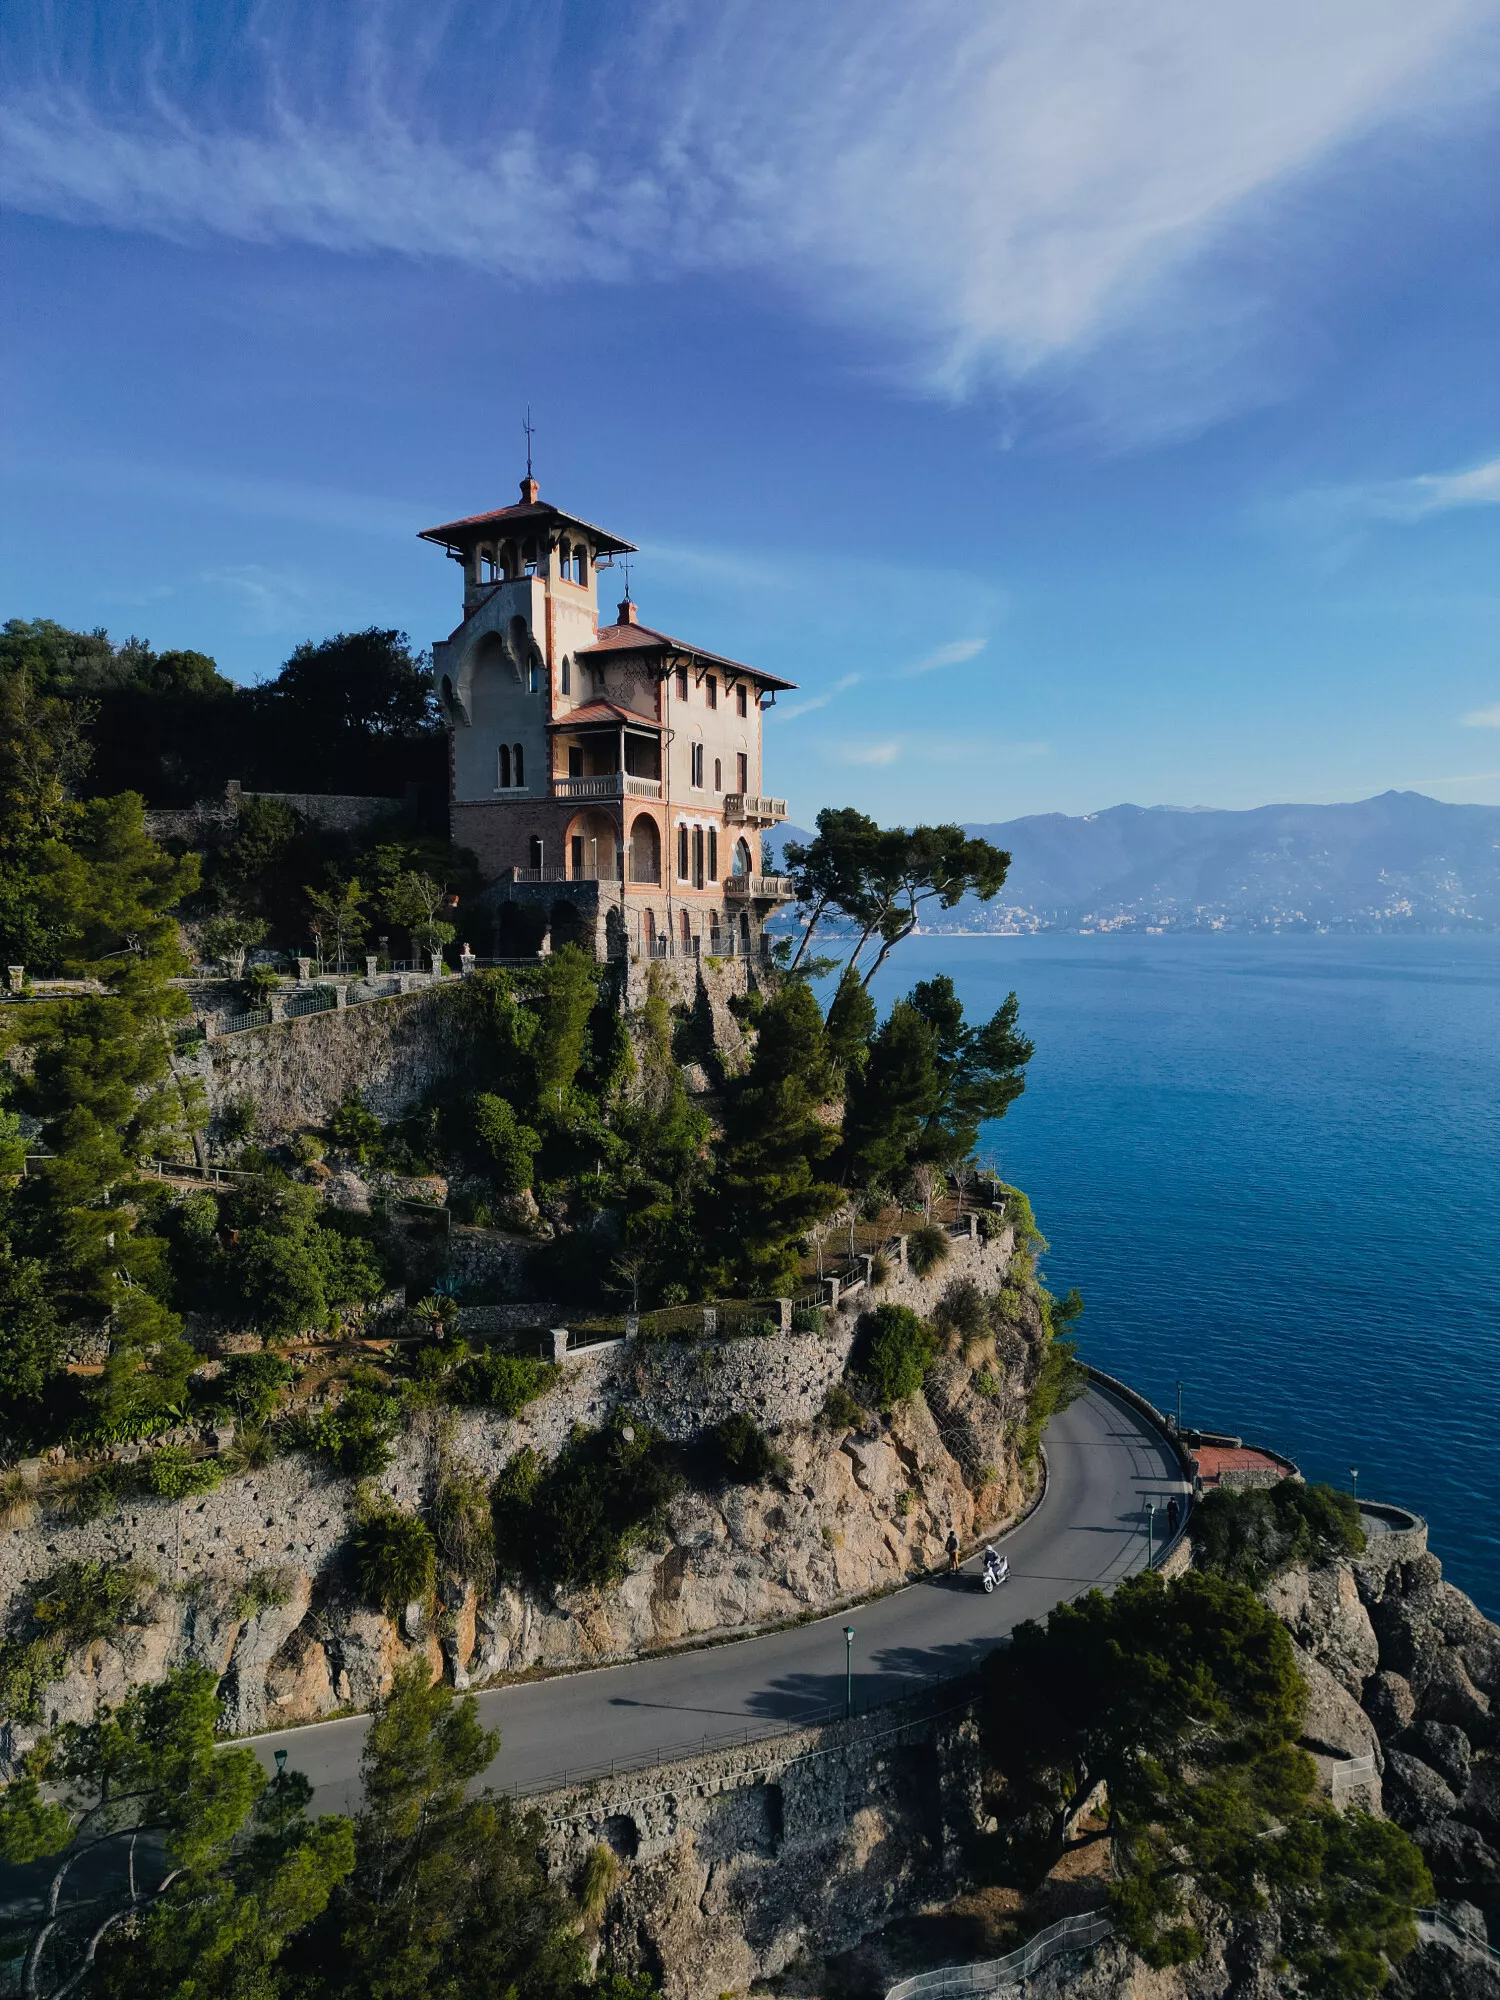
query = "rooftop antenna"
x=625 y=565
x=530 y=431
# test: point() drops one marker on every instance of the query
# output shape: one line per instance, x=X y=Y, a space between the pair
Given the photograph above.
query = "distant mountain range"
x=1397 y=862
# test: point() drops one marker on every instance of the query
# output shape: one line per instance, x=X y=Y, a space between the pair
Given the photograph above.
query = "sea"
x=1271 y=1165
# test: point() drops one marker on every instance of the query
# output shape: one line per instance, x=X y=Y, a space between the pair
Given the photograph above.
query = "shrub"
x=575 y=1521
x=395 y=1560
x=504 y=1382
x=173 y=1474
x=509 y=1147
x=744 y=1452
x=356 y=1130
x=841 y=1411
x=597 y=1883
x=962 y=1309
x=264 y=1590
x=927 y=1248
x=880 y=1270
x=1248 y=1536
x=1018 y=1214
x=98 y=1493
x=985 y=1384
x=465 y=1529
x=898 y=1352
x=307 y=1149
x=248 y=1388
x=807 y=1319
x=18 y=1503
x=758 y=1328
x=83 y=1601
x=354 y=1436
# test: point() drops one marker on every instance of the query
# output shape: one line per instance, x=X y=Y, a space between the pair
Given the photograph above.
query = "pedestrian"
x=952 y=1547
x=1174 y=1515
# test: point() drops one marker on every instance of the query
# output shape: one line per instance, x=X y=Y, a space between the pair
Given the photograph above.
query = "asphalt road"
x=1105 y=1463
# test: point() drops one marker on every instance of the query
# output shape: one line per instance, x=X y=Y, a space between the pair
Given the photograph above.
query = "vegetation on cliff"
x=1252 y=1534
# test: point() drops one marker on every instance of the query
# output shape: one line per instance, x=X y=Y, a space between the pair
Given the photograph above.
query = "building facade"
x=609 y=779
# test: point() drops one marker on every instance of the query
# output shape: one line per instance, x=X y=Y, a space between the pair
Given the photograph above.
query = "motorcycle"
x=995 y=1573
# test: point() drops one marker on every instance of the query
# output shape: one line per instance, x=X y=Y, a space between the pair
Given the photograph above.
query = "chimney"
x=627 y=612
x=529 y=490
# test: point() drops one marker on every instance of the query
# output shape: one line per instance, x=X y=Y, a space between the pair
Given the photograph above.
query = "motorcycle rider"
x=996 y=1567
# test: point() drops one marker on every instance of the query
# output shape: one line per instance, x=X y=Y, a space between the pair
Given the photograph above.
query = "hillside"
x=1399 y=861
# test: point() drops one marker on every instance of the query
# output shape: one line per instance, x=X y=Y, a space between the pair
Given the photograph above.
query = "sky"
x=1081 y=400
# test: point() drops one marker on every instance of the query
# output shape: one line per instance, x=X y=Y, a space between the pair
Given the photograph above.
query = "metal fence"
x=997 y=1976
x=1436 y=1923
x=1351 y=1773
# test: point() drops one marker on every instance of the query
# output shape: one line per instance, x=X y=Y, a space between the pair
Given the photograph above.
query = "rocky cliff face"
x=250 y=1579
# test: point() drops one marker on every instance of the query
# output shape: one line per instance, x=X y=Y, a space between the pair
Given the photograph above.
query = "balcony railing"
x=534 y=875
x=751 y=806
x=611 y=785
x=760 y=888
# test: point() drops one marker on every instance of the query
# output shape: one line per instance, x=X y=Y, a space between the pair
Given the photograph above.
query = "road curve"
x=1105 y=1462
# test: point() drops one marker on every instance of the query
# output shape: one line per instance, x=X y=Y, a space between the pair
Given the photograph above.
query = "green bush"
x=807 y=1319
x=508 y=1146
x=395 y=1560
x=927 y=1248
x=354 y=1435
x=465 y=1529
x=963 y=1309
x=1250 y=1535
x=172 y=1473
x=247 y=1388
x=744 y=1453
x=899 y=1350
x=575 y=1521
x=1060 y=1380
x=1018 y=1214
x=83 y=1601
x=503 y=1382
x=307 y=1149
x=356 y=1130
x=841 y=1411
x=758 y=1327
x=880 y=1270
x=264 y=1590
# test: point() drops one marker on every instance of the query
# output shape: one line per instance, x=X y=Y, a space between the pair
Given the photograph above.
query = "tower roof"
x=530 y=512
x=630 y=636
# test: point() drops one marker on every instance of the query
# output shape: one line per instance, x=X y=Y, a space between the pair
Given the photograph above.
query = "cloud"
x=1335 y=509
x=871 y=753
x=1483 y=718
x=946 y=656
x=817 y=700
x=988 y=189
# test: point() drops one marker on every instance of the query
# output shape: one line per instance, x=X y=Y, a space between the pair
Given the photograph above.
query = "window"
x=711 y=690
x=567 y=673
x=488 y=570
x=697 y=857
x=713 y=933
x=536 y=851
x=742 y=858
x=529 y=553
x=718 y=774
x=577 y=846
x=505 y=767
x=534 y=678
x=580 y=566
x=742 y=765
x=697 y=778
x=519 y=765
x=682 y=683
x=687 y=933
x=682 y=856
x=575 y=760
x=713 y=855
x=741 y=699
x=564 y=561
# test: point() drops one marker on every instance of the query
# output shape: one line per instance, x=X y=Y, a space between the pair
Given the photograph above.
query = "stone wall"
x=732 y=1865
x=211 y=822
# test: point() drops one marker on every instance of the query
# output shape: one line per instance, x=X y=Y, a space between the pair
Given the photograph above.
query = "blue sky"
x=1084 y=401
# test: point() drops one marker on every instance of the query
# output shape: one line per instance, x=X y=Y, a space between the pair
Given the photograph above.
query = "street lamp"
x=848 y=1670
x=1150 y=1525
x=1354 y=1483
x=1179 y=1406
x=280 y=1756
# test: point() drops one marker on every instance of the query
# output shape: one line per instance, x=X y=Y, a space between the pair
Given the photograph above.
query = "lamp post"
x=280 y=1756
x=848 y=1671
x=1354 y=1483
x=1179 y=1406
x=1150 y=1525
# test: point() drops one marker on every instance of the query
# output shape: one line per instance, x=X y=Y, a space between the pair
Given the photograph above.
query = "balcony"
x=609 y=785
x=760 y=888
x=753 y=809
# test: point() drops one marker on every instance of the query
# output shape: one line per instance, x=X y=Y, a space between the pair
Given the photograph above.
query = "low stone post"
x=304 y=971
x=277 y=1004
x=632 y=1327
x=868 y=1264
x=973 y=1221
x=436 y=958
x=16 y=978
x=559 y=1344
x=340 y=992
x=901 y=1253
x=710 y=1322
x=466 y=962
x=783 y=1315
x=210 y=1027
x=831 y=1286
x=372 y=966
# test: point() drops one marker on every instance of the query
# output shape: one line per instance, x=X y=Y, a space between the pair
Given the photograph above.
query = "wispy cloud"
x=991 y=188
x=818 y=700
x=1338 y=509
x=946 y=656
x=1483 y=718
x=878 y=754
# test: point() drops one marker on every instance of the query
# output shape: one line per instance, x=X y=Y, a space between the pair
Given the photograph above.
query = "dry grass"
x=19 y=1506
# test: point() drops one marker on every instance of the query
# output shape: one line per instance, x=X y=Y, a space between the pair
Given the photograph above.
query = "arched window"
x=529 y=556
x=564 y=562
x=505 y=767
x=696 y=779
x=447 y=692
x=534 y=678
x=713 y=854
x=567 y=673
x=742 y=858
x=508 y=561
x=645 y=850
x=488 y=570
x=713 y=933
x=520 y=765
x=718 y=774
x=580 y=566
x=697 y=857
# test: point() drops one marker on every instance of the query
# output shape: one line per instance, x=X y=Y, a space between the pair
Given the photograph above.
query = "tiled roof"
x=525 y=513
x=602 y=711
x=633 y=638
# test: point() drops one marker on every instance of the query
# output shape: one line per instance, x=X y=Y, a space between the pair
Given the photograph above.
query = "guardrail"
x=996 y=1976
x=1350 y=1773
x=1435 y=1923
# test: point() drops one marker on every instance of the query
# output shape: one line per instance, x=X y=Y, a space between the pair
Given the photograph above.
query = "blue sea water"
x=1272 y=1167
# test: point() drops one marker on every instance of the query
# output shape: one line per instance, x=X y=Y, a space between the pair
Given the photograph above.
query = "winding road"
x=1105 y=1462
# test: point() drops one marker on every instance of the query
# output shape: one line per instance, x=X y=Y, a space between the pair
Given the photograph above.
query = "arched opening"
x=564 y=563
x=713 y=854
x=713 y=933
x=614 y=933
x=508 y=561
x=569 y=926
x=645 y=850
x=518 y=930
x=580 y=566
x=591 y=851
x=682 y=853
x=567 y=673
x=687 y=933
x=742 y=858
x=718 y=774
x=489 y=569
x=745 y=932
x=529 y=558
x=697 y=857
x=505 y=767
x=518 y=765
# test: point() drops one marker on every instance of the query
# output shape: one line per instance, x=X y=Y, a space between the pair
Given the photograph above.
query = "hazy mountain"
x=1400 y=861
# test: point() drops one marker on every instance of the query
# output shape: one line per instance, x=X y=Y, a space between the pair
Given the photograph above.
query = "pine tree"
x=891 y=1100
